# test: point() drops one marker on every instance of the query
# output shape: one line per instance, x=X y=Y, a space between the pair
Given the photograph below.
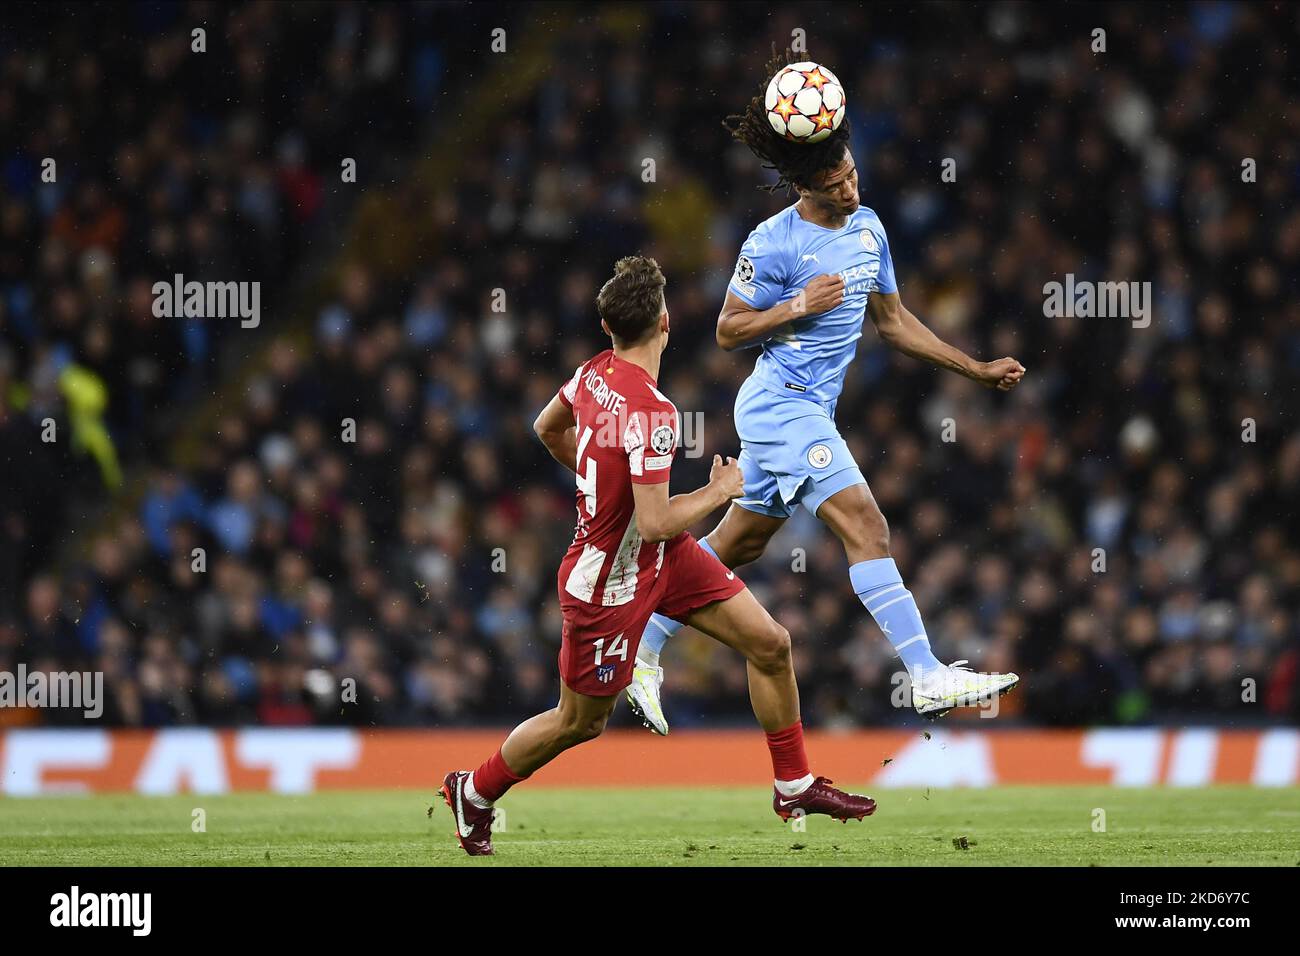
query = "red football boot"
x=473 y=824
x=821 y=797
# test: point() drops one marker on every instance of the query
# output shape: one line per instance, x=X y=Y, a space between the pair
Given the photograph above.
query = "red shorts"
x=600 y=643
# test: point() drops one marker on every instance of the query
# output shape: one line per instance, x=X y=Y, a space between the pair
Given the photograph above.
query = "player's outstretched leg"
x=648 y=674
x=739 y=538
x=643 y=694
x=533 y=744
x=741 y=622
x=936 y=687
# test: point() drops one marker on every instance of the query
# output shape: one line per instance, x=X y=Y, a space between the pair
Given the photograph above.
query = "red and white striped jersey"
x=627 y=432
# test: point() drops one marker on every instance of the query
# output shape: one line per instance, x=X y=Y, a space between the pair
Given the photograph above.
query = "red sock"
x=789 y=762
x=494 y=778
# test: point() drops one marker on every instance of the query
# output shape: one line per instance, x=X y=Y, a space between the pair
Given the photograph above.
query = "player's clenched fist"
x=1004 y=374
x=727 y=477
x=824 y=293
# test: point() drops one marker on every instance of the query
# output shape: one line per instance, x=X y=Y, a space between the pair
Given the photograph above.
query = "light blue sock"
x=657 y=631
x=659 y=628
x=879 y=587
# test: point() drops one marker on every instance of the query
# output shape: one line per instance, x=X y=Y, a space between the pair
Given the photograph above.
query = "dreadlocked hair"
x=796 y=164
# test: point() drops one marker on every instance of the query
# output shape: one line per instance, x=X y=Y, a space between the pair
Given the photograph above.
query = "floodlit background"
x=596 y=133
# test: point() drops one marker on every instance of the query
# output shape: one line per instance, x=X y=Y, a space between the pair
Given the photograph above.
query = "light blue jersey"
x=811 y=356
x=791 y=451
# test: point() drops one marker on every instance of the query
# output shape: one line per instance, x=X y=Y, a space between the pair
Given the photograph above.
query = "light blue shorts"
x=791 y=453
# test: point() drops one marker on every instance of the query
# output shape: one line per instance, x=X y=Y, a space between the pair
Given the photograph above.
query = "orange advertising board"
x=199 y=760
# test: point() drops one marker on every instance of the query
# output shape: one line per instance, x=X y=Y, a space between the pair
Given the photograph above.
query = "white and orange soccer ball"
x=805 y=102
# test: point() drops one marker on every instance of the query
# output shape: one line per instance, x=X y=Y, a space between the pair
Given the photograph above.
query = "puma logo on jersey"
x=810 y=255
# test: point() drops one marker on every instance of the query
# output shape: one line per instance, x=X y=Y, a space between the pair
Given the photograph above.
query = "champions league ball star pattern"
x=805 y=102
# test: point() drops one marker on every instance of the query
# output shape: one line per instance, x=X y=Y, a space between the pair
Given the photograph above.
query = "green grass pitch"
x=665 y=827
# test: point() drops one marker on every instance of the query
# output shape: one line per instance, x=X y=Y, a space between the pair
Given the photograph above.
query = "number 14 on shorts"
x=617 y=648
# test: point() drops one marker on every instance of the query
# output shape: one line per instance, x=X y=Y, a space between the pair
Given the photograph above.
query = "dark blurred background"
x=522 y=171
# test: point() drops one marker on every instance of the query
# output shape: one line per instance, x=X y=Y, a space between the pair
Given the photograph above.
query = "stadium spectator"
x=1106 y=531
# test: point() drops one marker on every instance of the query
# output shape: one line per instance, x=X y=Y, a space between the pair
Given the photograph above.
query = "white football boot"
x=643 y=695
x=941 y=689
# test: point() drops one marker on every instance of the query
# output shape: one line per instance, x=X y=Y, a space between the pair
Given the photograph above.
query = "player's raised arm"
x=740 y=324
x=557 y=430
x=902 y=330
x=659 y=518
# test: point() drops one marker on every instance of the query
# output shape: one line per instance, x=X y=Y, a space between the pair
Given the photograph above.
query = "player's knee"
x=579 y=728
x=869 y=537
x=748 y=551
x=748 y=547
x=771 y=653
x=878 y=536
x=595 y=726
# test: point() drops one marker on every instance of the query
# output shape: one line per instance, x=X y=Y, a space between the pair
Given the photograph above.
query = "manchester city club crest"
x=869 y=241
x=819 y=456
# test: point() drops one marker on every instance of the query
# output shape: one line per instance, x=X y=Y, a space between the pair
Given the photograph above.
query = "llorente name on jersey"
x=603 y=395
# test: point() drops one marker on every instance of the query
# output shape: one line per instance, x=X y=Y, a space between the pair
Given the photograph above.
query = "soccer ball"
x=805 y=102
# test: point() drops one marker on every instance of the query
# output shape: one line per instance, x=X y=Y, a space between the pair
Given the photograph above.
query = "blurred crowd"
x=131 y=151
x=370 y=532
